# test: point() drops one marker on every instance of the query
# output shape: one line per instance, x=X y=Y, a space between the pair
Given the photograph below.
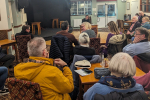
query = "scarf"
x=132 y=26
x=118 y=82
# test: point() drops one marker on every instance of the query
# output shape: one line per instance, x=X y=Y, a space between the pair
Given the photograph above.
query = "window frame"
x=78 y=8
x=147 y=4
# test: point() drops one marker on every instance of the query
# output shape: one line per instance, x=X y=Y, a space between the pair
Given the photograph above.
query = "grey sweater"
x=91 y=33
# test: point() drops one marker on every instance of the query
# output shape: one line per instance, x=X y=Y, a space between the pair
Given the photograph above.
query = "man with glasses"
x=25 y=31
x=55 y=84
x=140 y=43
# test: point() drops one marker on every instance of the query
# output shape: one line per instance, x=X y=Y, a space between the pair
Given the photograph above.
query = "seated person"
x=55 y=84
x=3 y=77
x=25 y=31
x=133 y=26
x=137 y=14
x=64 y=32
x=145 y=24
x=6 y=59
x=141 y=15
x=114 y=31
x=122 y=68
x=86 y=27
x=84 y=49
x=140 y=43
x=86 y=19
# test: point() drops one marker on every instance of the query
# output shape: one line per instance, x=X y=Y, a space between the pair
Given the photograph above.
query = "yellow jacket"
x=55 y=84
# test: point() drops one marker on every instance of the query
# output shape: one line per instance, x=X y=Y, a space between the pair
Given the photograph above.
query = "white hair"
x=122 y=64
x=36 y=46
x=84 y=39
x=136 y=18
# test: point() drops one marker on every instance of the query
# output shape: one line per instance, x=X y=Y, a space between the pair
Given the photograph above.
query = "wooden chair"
x=22 y=45
x=95 y=43
x=23 y=90
x=3 y=36
x=53 y=23
x=38 y=25
x=124 y=27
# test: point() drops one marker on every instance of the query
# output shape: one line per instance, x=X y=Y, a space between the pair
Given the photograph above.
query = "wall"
x=120 y=11
x=4 y=17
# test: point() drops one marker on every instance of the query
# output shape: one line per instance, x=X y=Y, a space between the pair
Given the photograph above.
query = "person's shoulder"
x=138 y=86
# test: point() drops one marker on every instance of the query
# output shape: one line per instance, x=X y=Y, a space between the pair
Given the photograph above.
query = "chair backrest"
x=23 y=90
x=3 y=34
x=95 y=43
x=143 y=65
x=22 y=41
x=95 y=30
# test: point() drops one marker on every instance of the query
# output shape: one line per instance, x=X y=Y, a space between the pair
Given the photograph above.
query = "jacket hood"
x=29 y=70
x=117 y=39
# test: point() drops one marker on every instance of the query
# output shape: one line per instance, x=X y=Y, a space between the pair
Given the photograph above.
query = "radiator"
x=77 y=22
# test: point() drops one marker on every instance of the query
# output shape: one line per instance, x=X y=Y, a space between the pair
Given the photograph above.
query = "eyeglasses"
x=138 y=34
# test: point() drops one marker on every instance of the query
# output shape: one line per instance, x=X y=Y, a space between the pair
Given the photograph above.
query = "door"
x=101 y=15
x=106 y=13
x=134 y=8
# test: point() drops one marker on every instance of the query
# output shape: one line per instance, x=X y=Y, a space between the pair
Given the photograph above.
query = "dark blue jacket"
x=60 y=48
x=1 y=53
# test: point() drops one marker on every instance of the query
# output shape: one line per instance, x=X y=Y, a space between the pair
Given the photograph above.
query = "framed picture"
x=128 y=5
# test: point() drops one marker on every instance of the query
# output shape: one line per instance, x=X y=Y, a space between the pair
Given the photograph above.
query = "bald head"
x=135 y=19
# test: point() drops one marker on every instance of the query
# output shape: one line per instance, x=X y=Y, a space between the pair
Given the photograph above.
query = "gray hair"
x=136 y=18
x=36 y=46
x=84 y=38
x=143 y=30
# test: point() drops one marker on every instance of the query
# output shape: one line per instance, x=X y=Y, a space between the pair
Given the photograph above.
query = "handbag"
x=83 y=64
x=99 y=72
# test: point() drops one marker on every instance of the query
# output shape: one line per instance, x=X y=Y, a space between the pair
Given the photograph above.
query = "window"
x=81 y=7
x=145 y=5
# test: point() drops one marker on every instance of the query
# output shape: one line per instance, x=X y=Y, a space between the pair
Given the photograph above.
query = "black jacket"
x=145 y=57
x=79 y=50
x=24 y=33
x=140 y=20
x=136 y=25
x=84 y=20
x=60 y=48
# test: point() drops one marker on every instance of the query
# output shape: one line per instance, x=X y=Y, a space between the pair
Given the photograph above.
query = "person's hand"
x=60 y=62
x=103 y=46
x=136 y=40
x=47 y=55
x=128 y=32
x=132 y=33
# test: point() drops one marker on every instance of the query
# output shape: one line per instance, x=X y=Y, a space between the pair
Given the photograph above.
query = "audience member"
x=114 y=31
x=145 y=22
x=6 y=59
x=122 y=68
x=25 y=31
x=86 y=19
x=55 y=84
x=133 y=26
x=86 y=27
x=84 y=49
x=141 y=15
x=64 y=32
x=137 y=14
x=140 y=43
x=3 y=77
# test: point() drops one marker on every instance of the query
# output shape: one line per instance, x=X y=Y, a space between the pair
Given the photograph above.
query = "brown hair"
x=113 y=27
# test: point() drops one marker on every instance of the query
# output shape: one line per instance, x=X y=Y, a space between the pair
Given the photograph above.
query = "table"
x=87 y=81
x=129 y=22
x=103 y=41
x=7 y=42
x=38 y=25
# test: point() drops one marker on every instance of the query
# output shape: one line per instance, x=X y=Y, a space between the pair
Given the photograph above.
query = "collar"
x=145 y=40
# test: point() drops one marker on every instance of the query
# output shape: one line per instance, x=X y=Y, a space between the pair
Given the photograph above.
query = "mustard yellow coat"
x=55 y=84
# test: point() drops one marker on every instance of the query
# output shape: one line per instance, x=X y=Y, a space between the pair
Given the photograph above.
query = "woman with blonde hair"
x=84 y=49
x=114 y=31
x=86 y=27
x=145 y=22
x=122 y=68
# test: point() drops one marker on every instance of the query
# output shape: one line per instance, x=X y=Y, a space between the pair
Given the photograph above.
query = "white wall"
x=4 y=16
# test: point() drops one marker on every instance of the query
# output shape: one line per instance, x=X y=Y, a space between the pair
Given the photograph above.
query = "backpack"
x=136 y=95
